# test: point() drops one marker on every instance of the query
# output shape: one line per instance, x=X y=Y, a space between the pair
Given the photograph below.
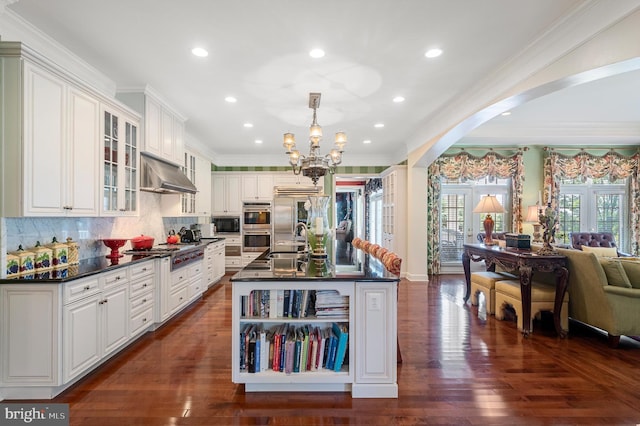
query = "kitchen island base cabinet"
x=369 y=364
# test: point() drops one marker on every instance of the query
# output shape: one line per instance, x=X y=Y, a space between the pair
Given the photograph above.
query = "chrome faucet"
x=306 y=234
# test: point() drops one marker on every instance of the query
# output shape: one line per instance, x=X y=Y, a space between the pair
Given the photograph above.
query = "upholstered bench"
x=543 y=297
x=485 y=282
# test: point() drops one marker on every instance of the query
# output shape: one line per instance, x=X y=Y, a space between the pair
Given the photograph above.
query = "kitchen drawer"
x=179 y=277
x=178 y=299
x=233 y=262
x=76 y=290
x=116 y=277
x=141 y=321
x=141 y=270
x=141 y=286
x=196 y=288
x=233 y=241
x=141 y=303
x=195 y=269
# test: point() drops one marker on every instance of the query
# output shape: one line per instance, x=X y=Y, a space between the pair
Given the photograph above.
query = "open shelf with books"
x=315 y=336
x=292 y=334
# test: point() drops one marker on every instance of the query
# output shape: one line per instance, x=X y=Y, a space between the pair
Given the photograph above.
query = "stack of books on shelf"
x=289 y=349
x=279 y=304
x=330 y=304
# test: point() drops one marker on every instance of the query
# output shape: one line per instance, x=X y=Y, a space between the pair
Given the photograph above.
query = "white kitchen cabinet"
x=81 y=335
x=53 y=333
x=257 y=187
x=141 y=297
x=394 y=220
x=227 y=200
x=83 y=172
x=189 y=168
x=196 y=280
x=96 y=325
x=248 y=257
x=120 y=165
x=198 y=170
x=163 y=126
x=233 y=253
x=163 y=289
x=49 y=137
x=186 y=285
x=219 y=261
x=30 y=323
x=292 y=180
x=203 y=184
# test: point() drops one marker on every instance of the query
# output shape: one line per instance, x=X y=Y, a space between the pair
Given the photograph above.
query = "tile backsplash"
x=88 y=231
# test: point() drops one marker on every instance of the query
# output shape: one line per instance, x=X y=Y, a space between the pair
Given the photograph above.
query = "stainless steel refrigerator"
x=288 y=210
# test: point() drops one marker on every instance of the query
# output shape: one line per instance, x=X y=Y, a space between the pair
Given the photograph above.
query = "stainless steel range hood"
x=163 y=177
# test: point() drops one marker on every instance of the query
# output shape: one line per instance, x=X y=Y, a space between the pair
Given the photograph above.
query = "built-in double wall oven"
x=256 y=227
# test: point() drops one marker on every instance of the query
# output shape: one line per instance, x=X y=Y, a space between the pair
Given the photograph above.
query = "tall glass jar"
x=318 y=230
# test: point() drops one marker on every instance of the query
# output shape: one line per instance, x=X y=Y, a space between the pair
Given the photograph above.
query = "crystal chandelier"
x=314 y=165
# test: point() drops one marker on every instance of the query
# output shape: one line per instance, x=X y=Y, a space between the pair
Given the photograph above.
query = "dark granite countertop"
x=366 y=268
x=88 y=267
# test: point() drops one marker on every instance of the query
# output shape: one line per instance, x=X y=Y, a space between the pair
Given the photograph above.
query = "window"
x=596 y=205
x=458 y=223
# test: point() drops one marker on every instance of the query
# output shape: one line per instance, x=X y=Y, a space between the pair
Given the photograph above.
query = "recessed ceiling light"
x=316 y=53
x=248 y=125
x=199 y=52
x=231 y=99
x=378 y=125
x=506 y=113
x=398 y=99
x=433 y=53
x=366 y=141
x=258 y=141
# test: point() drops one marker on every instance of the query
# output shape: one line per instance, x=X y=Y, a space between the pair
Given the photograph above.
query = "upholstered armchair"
x=593 y=239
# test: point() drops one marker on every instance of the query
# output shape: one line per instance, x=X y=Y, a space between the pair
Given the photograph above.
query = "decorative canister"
x=319 y=233
x=43 y=257
x=26 y=260
x=59 y=253
x=73 y=257
x=13 y=265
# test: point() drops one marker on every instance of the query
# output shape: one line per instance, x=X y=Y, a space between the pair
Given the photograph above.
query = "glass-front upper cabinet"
x=120 y=164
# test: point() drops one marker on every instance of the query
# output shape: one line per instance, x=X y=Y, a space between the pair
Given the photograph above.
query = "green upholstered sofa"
x=597 y=302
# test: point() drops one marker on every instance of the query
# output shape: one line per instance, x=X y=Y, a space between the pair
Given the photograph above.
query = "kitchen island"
x=300 y=309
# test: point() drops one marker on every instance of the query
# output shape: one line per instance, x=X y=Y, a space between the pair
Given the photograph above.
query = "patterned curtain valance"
x=612 y=164
x=373 y=185
x=469 y=167
x=585 y=165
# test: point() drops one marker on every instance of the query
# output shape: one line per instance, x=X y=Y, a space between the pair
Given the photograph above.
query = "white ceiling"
x=258 y=53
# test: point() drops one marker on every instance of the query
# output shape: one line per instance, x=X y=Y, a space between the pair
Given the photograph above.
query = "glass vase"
x=318 y=231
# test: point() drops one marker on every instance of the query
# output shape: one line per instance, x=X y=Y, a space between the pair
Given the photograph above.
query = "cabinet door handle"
x=144 y=300
x=144 y=285
x=87 y=287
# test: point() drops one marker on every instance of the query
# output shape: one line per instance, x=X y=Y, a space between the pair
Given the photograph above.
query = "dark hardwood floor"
x=458 y=369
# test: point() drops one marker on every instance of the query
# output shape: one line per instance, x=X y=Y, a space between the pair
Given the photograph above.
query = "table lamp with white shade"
x=533 y=216
x=489 y=204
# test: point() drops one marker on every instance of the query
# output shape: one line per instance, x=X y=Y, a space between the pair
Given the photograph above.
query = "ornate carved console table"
x=524 y=263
